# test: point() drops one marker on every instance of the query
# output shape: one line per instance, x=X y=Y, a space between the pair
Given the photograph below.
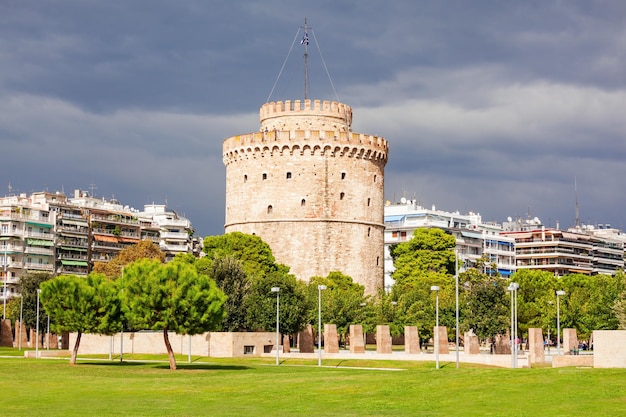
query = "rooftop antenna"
x=305 y=42
x=576 y=206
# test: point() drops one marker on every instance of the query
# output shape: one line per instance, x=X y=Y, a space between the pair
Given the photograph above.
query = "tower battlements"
x=299 y=114
x=303 y=142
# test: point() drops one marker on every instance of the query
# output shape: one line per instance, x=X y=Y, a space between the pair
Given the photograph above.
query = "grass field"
x=144 y=386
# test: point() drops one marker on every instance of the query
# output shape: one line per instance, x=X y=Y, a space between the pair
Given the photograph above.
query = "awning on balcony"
x=39 y=224
x=74 y=263
x=129 y=240
x=39 y=242
x=75 y=249
x=389 y=219
x=102 y=238
x=472 y=234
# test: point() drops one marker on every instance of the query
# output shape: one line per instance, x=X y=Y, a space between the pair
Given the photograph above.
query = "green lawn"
x=256 y=387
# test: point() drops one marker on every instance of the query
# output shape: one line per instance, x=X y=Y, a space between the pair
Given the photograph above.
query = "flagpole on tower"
x=305 y=42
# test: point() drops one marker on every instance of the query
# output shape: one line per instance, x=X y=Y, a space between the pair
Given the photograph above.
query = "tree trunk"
x=170 y=352
x=75 y=350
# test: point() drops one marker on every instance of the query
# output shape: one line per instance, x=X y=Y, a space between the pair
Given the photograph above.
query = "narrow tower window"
x=343 y=175
x=270 y=209
x=342 y=195
x=264 y=176
x=374 y=178
x=369 y=229
x=368 y=202
x=303 y=203
x=245 y=178
x=288 y=175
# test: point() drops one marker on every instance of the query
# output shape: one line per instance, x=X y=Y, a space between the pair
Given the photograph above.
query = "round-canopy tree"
x=82 y=305
x=172 y=297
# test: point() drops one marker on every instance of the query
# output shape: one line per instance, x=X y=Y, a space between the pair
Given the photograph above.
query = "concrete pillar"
x=305 y=340
x=357 y=343
x=441 y=333
x=535 y=346
x=383 y=339
x=331 y=340
x=6 y=333
x=570 y=341
x=470 y=344
x=411 y=340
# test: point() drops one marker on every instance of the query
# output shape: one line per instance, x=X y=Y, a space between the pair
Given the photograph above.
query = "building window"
x=264 y=176
x=270 y=209
x=374 y=178
x=245 y=178
x=303 y=203
x=343 y=175
x=368 y=202
x=394 y=234
x=248 y=350
x=288 y=175
x=369 y=229
x=377 y=260
x=342 y=195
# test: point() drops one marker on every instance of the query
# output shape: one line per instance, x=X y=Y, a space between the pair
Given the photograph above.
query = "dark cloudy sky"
x=494 y=106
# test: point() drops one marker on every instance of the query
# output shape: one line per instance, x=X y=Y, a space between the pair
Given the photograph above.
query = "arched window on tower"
x=264 y=176
x=270 y=209
x=245 y=178
x=303 y=203
x=368 y=202
x=343 y=175
x=342 y=195
x=288 y=175
x=369 y=229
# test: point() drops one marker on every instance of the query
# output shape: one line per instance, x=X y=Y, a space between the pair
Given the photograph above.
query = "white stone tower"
x=312 y=189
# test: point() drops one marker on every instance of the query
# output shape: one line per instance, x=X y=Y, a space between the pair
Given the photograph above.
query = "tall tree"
x=260 y=306
x=145 y=249
x=341 y=301
x=231 y=278
x=172 y=297
x=483 y=304
x=28 y=285
x=255 y=255
x=82 y=305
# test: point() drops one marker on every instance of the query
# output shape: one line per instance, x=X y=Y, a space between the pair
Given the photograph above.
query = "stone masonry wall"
x=315 y=196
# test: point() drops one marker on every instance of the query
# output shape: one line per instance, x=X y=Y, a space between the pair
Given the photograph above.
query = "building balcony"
x=114 y=218
x=39 y=250
x=174 y=248
x=49 y=236
x=38 y=266
x=175 y=235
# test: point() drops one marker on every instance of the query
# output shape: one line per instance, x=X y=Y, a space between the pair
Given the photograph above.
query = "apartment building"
x=583 y=250
x=475 y=239
x=49 y=232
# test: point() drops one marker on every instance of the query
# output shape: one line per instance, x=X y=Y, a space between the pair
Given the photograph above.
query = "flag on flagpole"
x=305 y=39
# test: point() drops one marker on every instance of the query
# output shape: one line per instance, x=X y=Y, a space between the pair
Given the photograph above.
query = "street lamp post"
x=320 y=288
x=19 y=340
x=456 y=283
x=513 y=287
x=37 y=332
x=277 y=291
x=558 y=322
x=435 y=288
x=4 y=313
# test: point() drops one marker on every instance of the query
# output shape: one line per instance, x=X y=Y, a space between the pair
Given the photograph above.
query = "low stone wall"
x=572 y=360
x=609 y=349
x=215 y=344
